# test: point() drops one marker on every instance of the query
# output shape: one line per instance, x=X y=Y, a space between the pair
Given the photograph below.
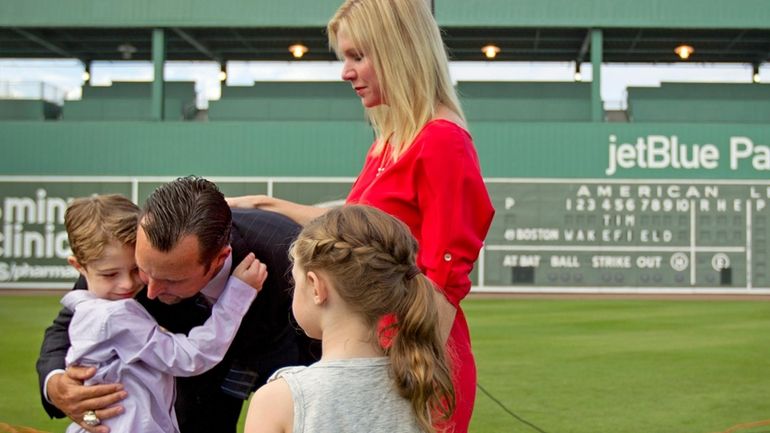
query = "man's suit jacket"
x=267 y=339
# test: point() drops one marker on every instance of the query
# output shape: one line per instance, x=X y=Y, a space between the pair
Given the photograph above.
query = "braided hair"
x=368 y=257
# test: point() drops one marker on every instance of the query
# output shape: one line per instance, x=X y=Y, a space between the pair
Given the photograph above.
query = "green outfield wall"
x=581 y=207
x=337 y=148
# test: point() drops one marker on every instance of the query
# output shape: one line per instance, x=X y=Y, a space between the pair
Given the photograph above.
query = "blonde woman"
x=422 y=167
x=351 y=266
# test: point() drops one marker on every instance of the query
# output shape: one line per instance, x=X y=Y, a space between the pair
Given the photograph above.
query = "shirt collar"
x=214 y=288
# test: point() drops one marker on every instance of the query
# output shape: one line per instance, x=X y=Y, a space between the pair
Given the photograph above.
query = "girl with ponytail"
x=353 y=266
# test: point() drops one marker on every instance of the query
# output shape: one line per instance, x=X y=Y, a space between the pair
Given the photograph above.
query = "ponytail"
x=417 y=356
x=369 y=258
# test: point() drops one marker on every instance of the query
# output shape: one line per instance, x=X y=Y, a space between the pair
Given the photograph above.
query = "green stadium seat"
x=525 y=101
x=28 y=109
x=700 y=103
x=131 y=101
x=287 y=100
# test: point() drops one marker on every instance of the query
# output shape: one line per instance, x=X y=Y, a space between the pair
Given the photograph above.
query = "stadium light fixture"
x=684 y=51
x=86 y=75
x=127 y=51
x=298 y=50
x=490 y=51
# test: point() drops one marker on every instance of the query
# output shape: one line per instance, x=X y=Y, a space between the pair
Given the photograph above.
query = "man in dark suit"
x=188 y=241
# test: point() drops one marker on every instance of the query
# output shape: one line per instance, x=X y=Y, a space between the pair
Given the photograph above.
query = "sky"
x=58 y=80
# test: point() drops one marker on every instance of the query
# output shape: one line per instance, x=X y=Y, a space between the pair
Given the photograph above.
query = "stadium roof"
x=621 y=45
x=634 y=31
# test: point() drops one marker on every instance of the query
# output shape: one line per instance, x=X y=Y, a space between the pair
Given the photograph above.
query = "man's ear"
x=75 y=264
x=319 y=287
x=220 y=258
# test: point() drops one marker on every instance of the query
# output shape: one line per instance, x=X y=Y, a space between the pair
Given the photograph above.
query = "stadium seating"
x=700 y=103
x=28 y=109
x=131 y=101
x=287 y=100
x=525 y=101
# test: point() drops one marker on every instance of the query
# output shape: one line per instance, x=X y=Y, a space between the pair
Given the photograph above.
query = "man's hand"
x=251 y=271
x=67 y=392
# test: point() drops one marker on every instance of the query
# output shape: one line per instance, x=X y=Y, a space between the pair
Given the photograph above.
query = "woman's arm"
x=299 y=213
x=456 y=213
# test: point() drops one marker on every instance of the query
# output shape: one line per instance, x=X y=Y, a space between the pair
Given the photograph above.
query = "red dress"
x=436 y=188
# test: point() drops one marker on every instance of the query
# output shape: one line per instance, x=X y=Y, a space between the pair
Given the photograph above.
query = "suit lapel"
x=179 y=317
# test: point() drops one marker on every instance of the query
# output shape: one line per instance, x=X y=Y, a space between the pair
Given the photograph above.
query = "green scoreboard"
x=554 y=234
x=584 y=235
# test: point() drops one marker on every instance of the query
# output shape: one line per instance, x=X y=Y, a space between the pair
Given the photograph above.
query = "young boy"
x=115 y=334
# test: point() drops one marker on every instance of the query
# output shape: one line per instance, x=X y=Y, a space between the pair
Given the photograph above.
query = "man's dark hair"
x=188 y=206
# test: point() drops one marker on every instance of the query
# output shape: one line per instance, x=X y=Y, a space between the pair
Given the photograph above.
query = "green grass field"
x=560 y=366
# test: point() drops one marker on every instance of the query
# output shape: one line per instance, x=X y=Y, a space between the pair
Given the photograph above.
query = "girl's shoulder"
x=286 y=371
x=271 y=409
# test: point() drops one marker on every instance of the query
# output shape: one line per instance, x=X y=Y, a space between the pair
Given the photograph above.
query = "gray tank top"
x=348 y=396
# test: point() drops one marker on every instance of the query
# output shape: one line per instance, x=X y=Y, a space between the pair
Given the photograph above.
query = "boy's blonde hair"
x=369 y=257
x=93 y=222
x=404 y=44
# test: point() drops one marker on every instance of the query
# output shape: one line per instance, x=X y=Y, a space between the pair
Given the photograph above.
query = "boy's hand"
x=251 y=271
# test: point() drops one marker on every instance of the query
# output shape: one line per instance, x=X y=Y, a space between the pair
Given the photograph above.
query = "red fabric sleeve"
x=455 y=208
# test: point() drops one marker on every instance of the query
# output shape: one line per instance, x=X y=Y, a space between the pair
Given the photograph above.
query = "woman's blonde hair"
x=404 y=43
x=93 y=222
x=369 y=258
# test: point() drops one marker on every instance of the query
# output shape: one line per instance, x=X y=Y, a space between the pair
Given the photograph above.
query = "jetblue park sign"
x=658 y=152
